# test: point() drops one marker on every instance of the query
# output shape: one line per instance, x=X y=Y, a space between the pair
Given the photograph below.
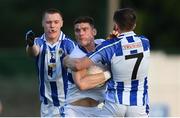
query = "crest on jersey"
x=60 y=52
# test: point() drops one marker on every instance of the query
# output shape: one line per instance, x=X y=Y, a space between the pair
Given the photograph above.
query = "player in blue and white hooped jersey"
x=128 y=58
x=49 y=51
x=83 y=95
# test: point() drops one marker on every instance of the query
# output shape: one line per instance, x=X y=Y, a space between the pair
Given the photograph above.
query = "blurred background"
x=158 y=20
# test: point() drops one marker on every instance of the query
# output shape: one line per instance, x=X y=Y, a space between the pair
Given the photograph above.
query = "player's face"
x=52 y=24
x=84 y=33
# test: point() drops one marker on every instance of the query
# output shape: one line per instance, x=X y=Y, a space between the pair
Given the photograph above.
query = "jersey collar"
x=59 y=39
x=130 y=33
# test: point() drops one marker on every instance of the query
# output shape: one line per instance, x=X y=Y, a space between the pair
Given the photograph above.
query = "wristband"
x=107 y=75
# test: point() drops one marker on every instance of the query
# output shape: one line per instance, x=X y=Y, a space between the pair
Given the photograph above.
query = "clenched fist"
x=30 y=36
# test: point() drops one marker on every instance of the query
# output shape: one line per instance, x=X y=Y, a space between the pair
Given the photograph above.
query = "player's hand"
x=30 y=36
x=113 y=34
x=68 y=62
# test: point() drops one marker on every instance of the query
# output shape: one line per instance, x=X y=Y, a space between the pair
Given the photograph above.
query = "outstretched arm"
x=31 y=49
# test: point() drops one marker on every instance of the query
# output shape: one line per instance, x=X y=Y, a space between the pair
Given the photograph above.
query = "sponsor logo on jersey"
x=131 y=46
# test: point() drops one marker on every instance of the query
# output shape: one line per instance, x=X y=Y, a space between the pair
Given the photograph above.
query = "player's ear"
x=94 y=31
x=134 y=26
x=61 y=22
x=115 y=27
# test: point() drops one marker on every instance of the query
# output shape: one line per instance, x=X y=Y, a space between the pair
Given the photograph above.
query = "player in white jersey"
x=82 y=101
x=128 y=57
x=49 y=50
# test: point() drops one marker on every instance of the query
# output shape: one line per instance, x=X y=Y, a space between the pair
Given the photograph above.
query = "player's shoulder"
x=142 y=37
x=145 y=41
x=99 y=41
x=67 y=37
x=39 y=40
x=109 y=43
x=77 y=52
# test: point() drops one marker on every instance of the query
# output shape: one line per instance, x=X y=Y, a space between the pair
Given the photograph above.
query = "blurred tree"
x=159 y=20
x=19 y=16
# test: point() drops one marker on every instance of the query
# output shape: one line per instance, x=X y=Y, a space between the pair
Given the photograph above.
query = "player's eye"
x=56 y=22
x=77 y=30
x=48 y=22
x=85 y=29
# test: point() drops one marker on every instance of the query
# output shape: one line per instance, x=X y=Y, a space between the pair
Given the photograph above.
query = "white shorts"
x=80 y=111
x=111 y=109
x=50 y=110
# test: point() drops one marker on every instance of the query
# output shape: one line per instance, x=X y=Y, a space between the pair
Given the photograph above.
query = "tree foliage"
x=17 y=17
x=159 y=20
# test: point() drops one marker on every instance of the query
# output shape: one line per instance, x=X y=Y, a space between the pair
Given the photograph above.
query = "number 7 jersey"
x=128 y=59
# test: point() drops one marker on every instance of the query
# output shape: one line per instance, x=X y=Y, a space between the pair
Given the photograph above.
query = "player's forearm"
x=94 y=80
x=76 y=64
x=91 y=81
x=83 y=63
x=69 y=62
x=32 y=51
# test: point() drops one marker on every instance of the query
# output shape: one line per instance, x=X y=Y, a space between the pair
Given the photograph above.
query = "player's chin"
x=84 y=43
x=52 y=35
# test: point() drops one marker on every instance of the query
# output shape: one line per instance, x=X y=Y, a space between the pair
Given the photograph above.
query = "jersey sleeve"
x=145 y=42
x=38 y=41
x=103 y=53
x=77 y=53
x=69 y=45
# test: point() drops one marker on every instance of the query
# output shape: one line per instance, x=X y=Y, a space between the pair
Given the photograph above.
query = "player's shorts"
x=50 y=110
x=81 y=111
x=111 y=109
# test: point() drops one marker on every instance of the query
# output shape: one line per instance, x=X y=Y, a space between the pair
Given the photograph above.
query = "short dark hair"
x=84 y=19
x=125 y=18
x=51 y=11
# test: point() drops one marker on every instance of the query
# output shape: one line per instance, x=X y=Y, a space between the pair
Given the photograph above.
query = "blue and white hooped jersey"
x=51 y=73
x=73 y=93
x=128 y=57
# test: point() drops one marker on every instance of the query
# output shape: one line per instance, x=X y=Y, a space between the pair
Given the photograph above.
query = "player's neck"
x=90 y=47
x=52 y=41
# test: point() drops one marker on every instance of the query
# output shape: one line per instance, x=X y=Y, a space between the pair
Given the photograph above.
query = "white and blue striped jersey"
x=51 y=73
x=73 y=93
x=128 y=58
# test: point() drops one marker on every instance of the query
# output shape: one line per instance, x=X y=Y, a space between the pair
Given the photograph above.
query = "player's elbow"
x=77 y=66
x=82 y=87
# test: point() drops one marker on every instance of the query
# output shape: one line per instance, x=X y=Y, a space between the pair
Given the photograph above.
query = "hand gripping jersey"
x=51 y=73
x=74 y=93
x=128 y=57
